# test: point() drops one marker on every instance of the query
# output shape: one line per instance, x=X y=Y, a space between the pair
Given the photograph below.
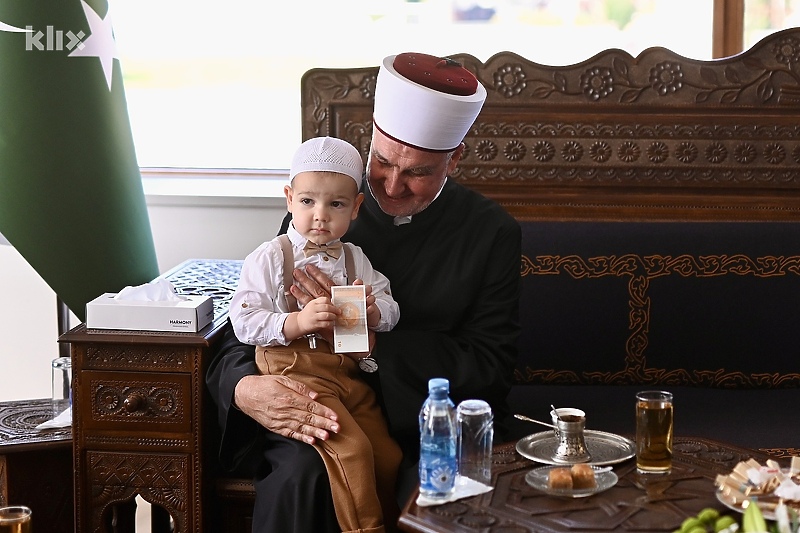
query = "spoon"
x=558 y=415
x=527 y=419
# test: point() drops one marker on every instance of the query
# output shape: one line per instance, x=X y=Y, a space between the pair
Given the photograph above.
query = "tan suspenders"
x=288 y=266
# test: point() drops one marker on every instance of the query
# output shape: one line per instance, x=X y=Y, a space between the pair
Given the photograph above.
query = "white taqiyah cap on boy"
x=426 y=101
x=327 y=154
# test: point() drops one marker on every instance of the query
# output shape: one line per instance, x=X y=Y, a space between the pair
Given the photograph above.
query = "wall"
x=184 y=227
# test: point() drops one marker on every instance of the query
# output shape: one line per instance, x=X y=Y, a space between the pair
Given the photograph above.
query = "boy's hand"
x=318 y=314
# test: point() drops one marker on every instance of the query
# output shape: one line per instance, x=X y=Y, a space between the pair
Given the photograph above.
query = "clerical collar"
x=399 y=221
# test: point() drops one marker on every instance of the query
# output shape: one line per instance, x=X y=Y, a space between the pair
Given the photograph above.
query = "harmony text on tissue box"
x=191 y=313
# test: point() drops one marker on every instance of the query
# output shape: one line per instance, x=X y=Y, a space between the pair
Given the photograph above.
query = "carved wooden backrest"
x=687 y=153
x=615 y=137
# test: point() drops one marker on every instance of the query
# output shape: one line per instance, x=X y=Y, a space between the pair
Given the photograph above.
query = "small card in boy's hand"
x=350 y=331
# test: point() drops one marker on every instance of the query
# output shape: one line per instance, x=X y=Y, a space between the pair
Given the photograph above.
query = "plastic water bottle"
x=438 y=436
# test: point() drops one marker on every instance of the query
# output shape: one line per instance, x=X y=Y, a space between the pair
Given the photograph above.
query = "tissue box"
x=190 y=315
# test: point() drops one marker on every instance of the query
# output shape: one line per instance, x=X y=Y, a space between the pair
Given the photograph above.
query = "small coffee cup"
x=565 y=413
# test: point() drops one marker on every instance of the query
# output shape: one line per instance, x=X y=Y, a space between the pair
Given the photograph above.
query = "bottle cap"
x=438 y=383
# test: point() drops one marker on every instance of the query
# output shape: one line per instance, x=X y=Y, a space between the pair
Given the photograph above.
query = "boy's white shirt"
x=259 y=307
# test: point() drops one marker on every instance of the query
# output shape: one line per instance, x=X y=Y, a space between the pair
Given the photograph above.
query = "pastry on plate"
x=583 y=476
x=559 y=478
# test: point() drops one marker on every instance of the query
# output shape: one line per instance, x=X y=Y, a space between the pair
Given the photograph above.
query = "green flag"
x=71 y=197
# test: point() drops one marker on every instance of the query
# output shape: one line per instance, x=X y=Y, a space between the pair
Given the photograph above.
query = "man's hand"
x=286 y=407
x=313 y=284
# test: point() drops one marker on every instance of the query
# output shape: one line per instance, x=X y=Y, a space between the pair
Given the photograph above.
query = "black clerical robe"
x=455 y=271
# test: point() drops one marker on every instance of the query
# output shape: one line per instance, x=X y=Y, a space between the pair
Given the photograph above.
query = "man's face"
x=405 y=180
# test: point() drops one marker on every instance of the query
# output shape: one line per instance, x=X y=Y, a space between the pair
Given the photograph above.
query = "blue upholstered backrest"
x=711 y=304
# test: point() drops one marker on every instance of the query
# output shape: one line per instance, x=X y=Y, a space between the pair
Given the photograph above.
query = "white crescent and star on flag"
x=12 y=29
x=100 y=43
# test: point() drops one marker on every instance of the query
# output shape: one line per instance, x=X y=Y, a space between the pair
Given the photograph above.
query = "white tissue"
x=159 y=290
x=64 y=419
x=465 y=487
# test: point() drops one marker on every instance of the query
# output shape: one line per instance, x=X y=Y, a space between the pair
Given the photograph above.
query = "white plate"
x=766 y=503
x=538 y=479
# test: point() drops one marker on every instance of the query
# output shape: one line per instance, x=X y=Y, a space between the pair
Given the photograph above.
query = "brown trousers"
x=362 y=459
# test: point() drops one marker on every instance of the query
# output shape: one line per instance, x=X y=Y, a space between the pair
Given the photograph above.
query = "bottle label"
x=437 y=469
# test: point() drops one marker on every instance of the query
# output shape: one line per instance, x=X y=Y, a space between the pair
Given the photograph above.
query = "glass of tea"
x=654 y=432
x=15 y=519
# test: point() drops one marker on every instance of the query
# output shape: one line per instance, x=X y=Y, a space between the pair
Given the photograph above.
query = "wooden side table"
x=36 y=465
x=142 y=421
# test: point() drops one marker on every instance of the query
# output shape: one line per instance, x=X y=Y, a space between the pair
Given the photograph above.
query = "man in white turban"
x=453 y=259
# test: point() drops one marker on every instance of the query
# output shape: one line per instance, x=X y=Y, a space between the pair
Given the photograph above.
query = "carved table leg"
x=3 y=481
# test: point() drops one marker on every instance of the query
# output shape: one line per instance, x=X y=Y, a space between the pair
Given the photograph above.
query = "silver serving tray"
x=604 y=448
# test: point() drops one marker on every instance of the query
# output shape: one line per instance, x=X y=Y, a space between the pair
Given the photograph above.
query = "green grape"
x=722 y=522
x=691 y=523
x=708 y=515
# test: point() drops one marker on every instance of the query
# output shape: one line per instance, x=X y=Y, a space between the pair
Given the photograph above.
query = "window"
x=216 y=85
x=762 y=17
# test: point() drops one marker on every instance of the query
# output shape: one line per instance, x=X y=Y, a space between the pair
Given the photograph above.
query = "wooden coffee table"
x=636 y=503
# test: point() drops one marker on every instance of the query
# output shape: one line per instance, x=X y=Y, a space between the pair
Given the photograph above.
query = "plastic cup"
x=475 y=435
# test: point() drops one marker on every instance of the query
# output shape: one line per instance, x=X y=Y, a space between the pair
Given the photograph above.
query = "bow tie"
x=334 y=250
